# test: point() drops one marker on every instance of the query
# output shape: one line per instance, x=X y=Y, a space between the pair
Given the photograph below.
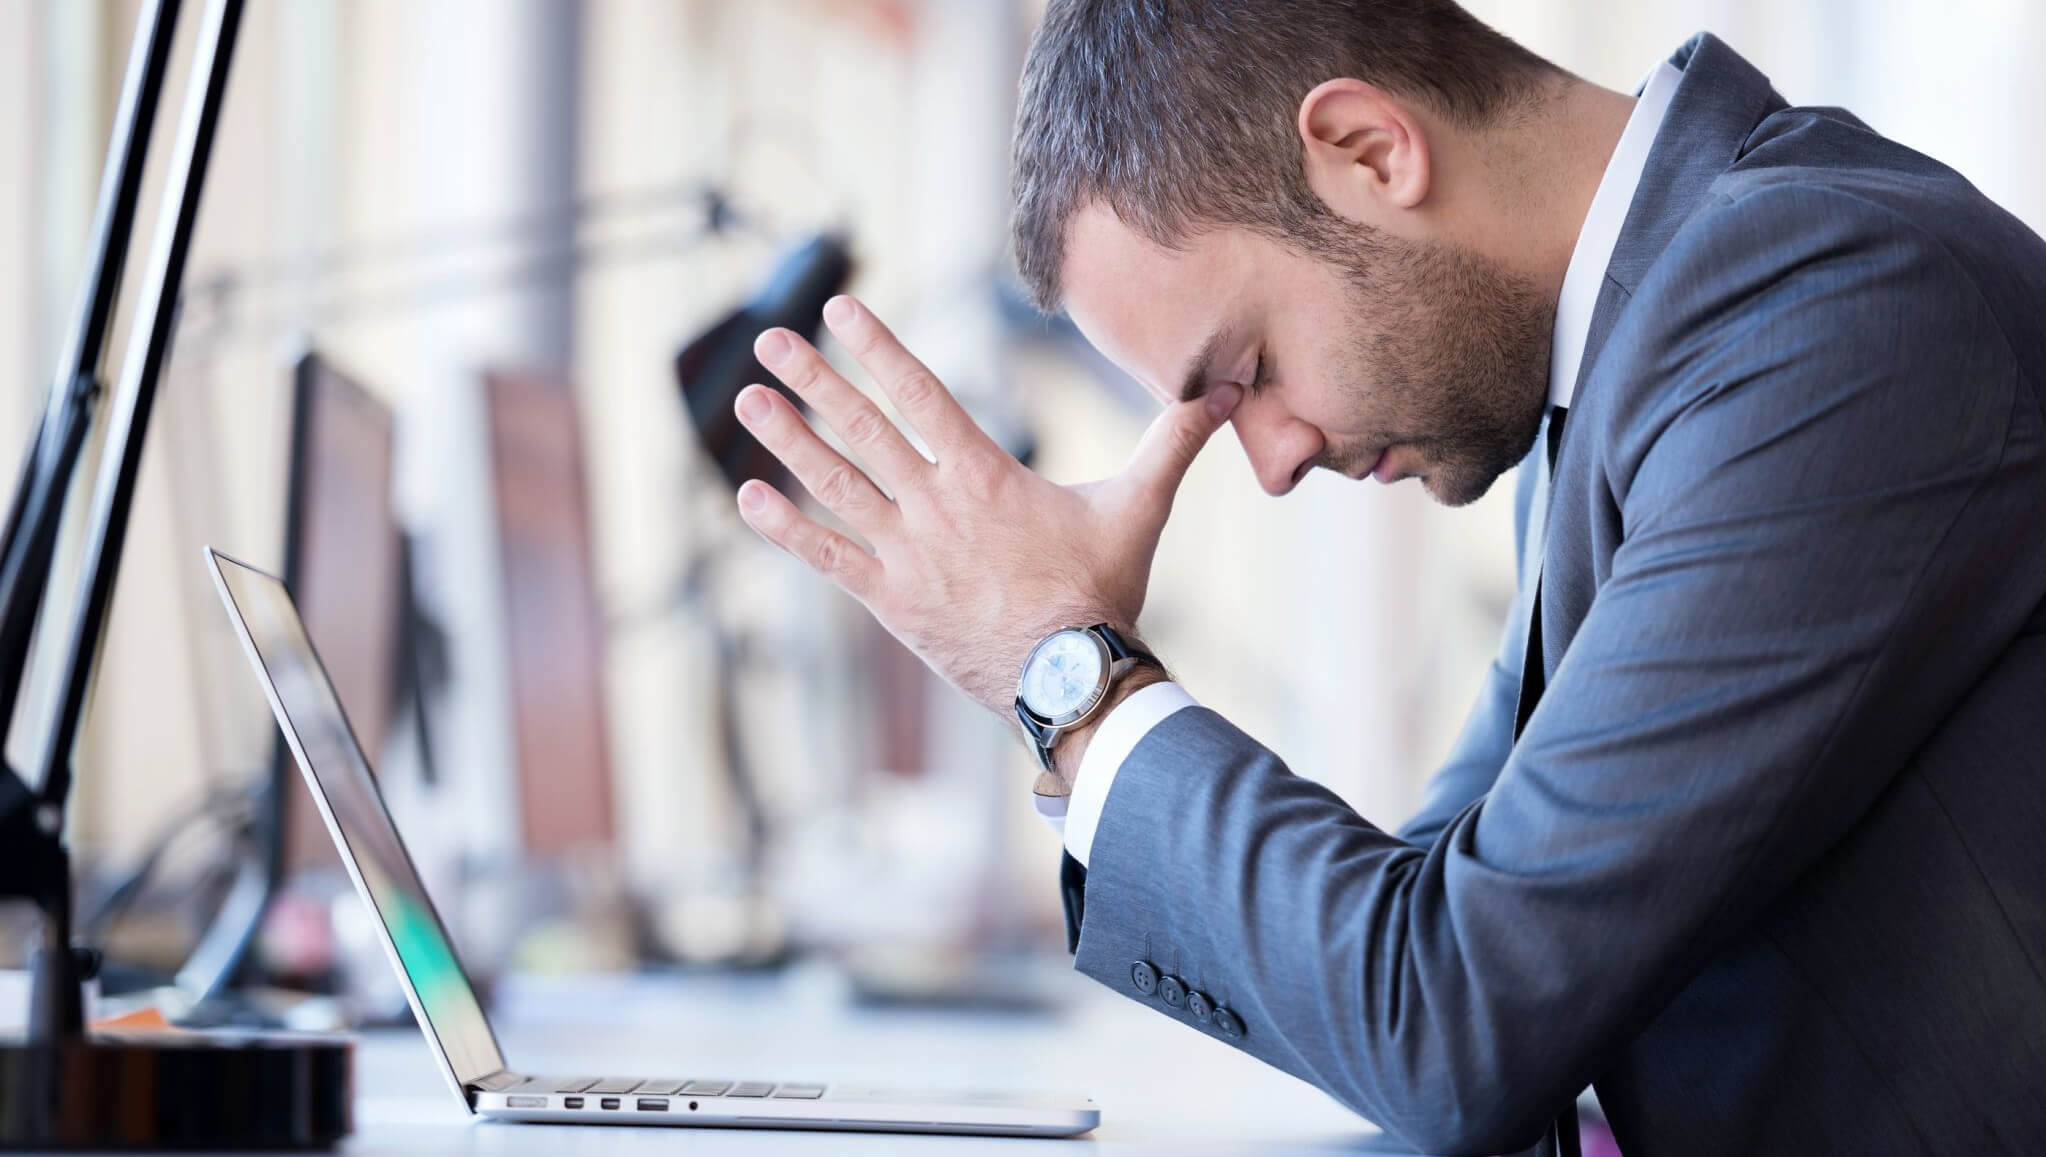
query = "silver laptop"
x=338 y=773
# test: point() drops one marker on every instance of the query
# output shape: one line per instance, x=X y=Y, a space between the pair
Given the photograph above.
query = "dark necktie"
x=1533 y=674
x=1562 y=1139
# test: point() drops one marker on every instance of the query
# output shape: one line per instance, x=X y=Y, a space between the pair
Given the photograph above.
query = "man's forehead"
x=1151 y=310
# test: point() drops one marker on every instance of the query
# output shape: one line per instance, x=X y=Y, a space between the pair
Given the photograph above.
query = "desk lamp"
x=61 y=1087
x=715 y=367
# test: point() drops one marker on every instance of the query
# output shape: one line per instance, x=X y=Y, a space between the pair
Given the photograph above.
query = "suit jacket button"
x=1227 y=1023
x=1200 y=1006
x=1144 y=977
x=1172 y=991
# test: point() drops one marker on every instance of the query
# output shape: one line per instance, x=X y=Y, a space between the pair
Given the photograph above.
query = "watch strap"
x=1120 y=648
x=1040 y=738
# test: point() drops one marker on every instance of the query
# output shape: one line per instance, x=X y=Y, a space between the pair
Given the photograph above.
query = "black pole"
x=32 y=520
x=54 y=1014
x=115 y=492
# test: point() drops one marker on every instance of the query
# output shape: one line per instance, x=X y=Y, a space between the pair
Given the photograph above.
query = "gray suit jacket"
x=1768 y=865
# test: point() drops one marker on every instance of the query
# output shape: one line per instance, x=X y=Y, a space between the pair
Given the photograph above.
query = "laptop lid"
x=338 y=773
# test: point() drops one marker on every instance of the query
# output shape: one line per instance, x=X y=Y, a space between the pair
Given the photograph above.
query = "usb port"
x=653 y=1104
x=608 y=1103
x=571 y=1102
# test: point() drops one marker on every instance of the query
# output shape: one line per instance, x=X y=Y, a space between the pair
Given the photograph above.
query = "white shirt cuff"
x=1118 y=735
x=1053 y=810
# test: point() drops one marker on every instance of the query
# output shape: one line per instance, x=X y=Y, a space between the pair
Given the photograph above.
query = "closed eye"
x=1261 y=377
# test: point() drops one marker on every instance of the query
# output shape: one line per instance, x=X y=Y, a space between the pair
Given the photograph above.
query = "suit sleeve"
x=1824 y=491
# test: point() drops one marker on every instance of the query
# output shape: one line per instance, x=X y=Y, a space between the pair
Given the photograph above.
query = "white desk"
x=1162 y=1088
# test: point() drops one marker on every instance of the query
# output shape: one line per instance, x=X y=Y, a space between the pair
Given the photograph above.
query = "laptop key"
x=799 y=1092
x=751 y=1089
x=707 y=1088
x=575 y=1085
x=614 y=1085
x=659 y=1088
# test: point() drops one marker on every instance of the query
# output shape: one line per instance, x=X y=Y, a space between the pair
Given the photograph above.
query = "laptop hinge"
x=496 y=1082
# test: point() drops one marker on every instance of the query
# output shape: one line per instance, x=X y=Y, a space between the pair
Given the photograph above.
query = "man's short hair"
x=1181 y=114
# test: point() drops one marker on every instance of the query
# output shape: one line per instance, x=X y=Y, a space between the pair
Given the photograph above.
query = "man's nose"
x=1280 y=447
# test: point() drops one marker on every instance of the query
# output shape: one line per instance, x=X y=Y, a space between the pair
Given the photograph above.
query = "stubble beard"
x=1458 y=353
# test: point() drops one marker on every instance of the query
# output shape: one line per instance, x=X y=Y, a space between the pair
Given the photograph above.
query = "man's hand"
x=973 y=557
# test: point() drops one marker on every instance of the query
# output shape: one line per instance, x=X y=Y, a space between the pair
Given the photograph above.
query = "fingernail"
x=753 y=406
x=773 y=347
x=839 y=311
x=1222 y=401
x=753 y=498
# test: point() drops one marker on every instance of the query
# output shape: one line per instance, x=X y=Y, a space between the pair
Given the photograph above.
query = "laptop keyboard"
x=619 y=1086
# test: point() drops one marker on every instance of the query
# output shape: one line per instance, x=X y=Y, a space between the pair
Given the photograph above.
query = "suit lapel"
x=1717 y=106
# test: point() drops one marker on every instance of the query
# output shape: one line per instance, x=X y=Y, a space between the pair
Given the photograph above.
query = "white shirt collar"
x=1601 y=231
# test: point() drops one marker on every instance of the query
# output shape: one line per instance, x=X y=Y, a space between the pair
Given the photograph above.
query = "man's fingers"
x=854 y=415
x=827 y=552
x=1175 y=439
x=923 y=400
x=824 y=472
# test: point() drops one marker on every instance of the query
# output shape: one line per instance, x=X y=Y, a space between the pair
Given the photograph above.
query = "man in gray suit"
x=1748 y=827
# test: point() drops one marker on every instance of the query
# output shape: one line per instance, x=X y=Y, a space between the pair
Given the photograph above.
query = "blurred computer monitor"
x=553 y=628
x=343 y=561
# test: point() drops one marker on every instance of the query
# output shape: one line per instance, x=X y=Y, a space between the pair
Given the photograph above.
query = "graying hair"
x=1180 y=115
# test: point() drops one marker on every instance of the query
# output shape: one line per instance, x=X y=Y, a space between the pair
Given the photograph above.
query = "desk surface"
x=1162 y=1088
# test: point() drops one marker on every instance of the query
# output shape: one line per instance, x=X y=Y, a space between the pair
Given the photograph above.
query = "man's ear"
x=1366 y=153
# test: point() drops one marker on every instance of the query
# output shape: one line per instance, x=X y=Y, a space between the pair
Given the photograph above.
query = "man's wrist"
x=1071 y=747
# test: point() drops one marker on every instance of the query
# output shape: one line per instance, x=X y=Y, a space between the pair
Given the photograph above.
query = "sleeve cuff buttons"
x=1145 y=977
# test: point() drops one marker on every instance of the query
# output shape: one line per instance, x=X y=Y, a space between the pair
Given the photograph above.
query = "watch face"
x=1064 y=674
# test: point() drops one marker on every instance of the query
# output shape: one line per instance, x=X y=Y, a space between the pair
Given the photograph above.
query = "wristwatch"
x=1065 y=679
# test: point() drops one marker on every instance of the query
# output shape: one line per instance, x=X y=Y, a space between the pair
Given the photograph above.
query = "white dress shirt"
x=1118 y=735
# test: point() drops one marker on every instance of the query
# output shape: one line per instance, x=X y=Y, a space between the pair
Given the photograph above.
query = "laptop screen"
x=338 y=773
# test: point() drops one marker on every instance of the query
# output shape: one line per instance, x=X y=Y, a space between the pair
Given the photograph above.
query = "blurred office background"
x=617 y=728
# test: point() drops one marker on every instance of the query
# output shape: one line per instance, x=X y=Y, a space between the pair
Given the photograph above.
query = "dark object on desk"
x=180 y=1091
x=713 y=368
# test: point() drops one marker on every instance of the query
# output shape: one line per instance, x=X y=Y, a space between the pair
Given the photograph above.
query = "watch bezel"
x=1094 y=697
